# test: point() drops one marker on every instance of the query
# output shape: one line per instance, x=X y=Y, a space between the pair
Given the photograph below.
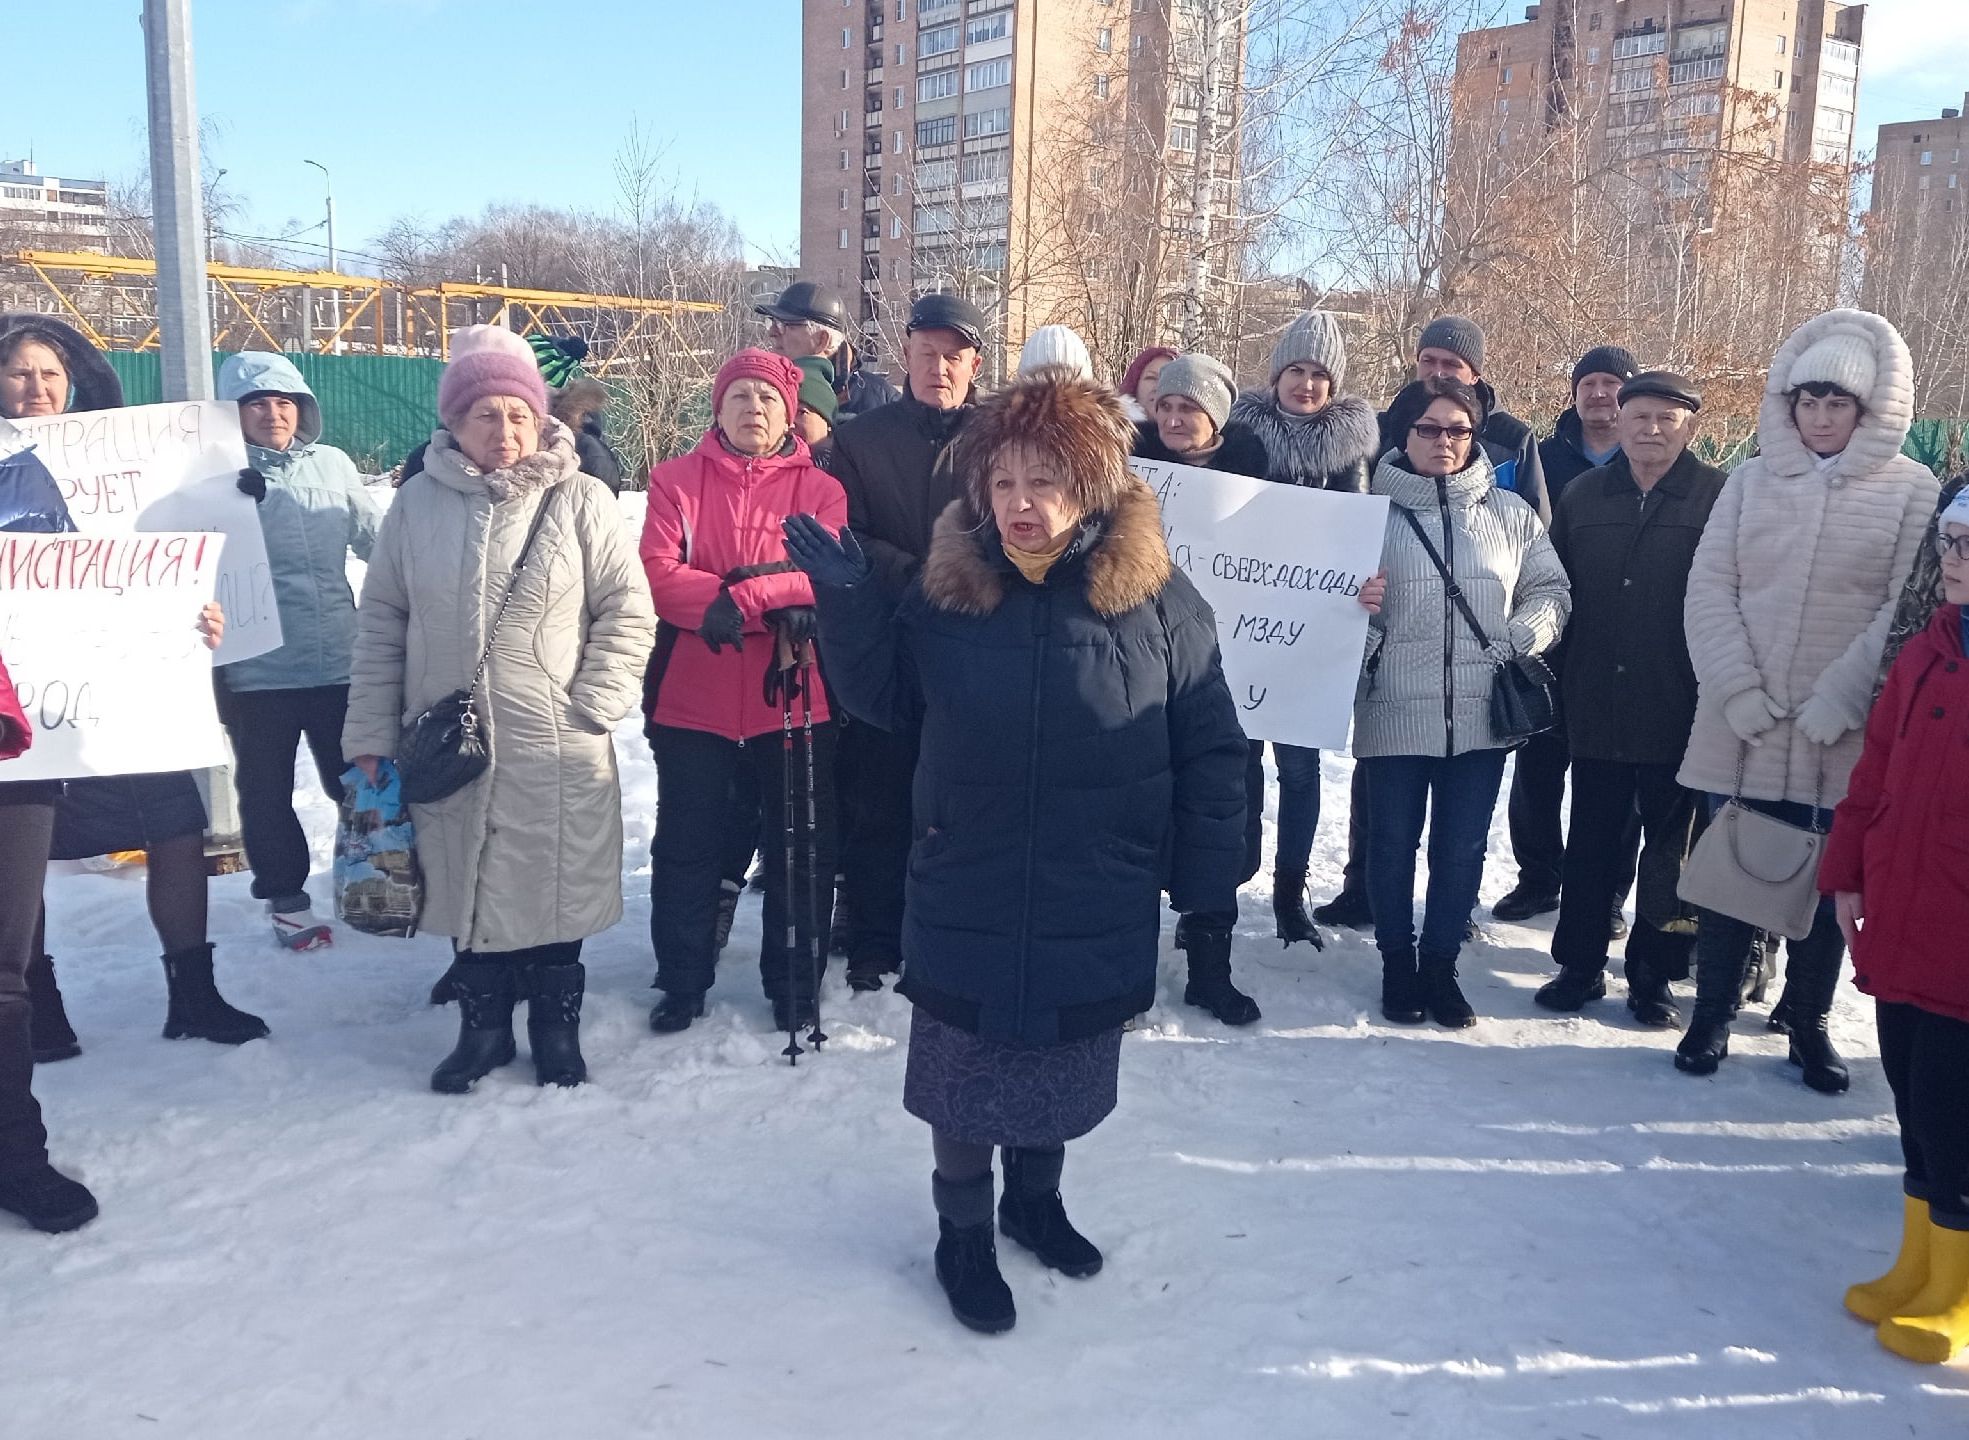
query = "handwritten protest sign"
x=100 y=635
x=1283 y=567
x=165 y=467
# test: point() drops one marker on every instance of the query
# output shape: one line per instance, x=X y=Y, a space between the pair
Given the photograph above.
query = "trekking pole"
x=789 y=840
x=808 y=674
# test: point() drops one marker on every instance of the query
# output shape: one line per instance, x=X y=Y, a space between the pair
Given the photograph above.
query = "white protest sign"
x=1283 y=567
x=100 y=635
x=165 y=467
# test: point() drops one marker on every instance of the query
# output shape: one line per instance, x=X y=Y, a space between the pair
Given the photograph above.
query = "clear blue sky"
x=436 y=107
x=430 y=107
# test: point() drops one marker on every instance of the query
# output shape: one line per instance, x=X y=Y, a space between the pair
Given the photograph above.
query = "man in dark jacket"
x=810 y=319
x=1583 y=440
x=1627 y=533
x=893 y=463
x=1453 y=345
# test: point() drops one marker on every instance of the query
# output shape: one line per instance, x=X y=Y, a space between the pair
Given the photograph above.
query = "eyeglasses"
x=1429 y=430
x=1957 y=545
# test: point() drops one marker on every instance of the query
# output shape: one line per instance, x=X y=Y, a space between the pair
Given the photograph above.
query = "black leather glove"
x=252 y=482
x=796 y=624
x=827 y=560
x=784 y=685
x=723 y=623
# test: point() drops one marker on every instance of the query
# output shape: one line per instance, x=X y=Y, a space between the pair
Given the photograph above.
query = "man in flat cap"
x=1627 y=535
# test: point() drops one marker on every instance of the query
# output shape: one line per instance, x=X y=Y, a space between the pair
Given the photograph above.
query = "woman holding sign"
x=1422 y=722
x=503 y=572
x=1080 y=753
x=46 y=368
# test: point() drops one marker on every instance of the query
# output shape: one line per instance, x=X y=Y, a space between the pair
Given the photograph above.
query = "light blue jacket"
x=316 y=511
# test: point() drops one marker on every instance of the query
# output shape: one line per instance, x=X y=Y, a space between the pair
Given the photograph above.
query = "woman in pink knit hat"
x=732 y=609
x=504 y=570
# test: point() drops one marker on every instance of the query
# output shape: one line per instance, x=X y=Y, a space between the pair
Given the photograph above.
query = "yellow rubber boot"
x=1877 y=1300
x=1934 y=1328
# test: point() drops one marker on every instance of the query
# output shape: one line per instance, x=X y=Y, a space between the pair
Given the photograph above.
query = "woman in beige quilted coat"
x=524 y=863
x=1790 y=599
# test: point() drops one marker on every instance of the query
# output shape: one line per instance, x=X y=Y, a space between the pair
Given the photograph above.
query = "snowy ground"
x=1322 y=1226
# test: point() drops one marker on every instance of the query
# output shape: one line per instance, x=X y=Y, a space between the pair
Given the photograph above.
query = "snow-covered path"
x=1323 y=1226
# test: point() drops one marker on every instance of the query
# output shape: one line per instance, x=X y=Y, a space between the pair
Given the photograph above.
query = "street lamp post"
x=335 y=300
x=211 y=285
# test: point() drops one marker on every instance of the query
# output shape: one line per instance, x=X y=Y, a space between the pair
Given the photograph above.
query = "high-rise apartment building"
x=985 y=146
x=49 y=213
x=1667 y=82
x=1917 y=252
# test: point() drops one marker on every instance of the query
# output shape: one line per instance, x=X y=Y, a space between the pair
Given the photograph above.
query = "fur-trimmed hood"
x=95 y=386
x=1889 y=408
x=1307 y=449
x=553 y=462
x=1078 y=421
x=579 y=400
x=1119 y=557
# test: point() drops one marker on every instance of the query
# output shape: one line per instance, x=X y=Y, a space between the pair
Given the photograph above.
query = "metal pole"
x=177 y=207
x=335 y=295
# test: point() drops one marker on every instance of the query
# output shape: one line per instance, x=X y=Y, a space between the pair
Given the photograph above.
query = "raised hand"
x=827 y=560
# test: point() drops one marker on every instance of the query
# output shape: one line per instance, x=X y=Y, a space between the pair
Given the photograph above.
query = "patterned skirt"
x=988 y=1092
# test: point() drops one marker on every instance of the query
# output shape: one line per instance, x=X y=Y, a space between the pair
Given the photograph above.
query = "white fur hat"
x=1056 y=345
x=1844 y=358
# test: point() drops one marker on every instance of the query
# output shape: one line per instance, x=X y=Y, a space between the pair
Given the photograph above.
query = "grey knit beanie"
x=1459 y=335
x=1313 y=339
x=1202 y=379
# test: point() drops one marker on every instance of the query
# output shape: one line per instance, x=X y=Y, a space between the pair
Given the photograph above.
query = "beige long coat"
x=531 y=852
x=1797 y=574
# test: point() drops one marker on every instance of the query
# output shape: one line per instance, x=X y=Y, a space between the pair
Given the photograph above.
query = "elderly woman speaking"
x=1080 y=754
x=501 y=547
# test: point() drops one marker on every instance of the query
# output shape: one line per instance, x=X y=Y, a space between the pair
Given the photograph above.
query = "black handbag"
x=1524 y=698
x=447 y=746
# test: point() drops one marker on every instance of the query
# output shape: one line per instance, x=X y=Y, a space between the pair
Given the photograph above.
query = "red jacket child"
x=15 y=733
x=711 y=513
x=1900 y=838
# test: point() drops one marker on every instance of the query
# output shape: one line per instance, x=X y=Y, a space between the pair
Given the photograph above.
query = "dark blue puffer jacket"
x=29 y=498
x=1080 y=754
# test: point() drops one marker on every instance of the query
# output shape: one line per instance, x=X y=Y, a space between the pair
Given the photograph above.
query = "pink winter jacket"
x=712 y=512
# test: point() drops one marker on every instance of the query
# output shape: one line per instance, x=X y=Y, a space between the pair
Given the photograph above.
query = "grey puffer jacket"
x=531 y=852
x=1426 y=686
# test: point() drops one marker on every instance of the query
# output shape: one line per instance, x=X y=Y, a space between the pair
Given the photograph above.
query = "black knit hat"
x=1663 y=385
x=1605 y=360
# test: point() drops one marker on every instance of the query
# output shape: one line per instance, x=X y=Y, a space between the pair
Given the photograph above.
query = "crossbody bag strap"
x=1454 y=591
x=519 y=568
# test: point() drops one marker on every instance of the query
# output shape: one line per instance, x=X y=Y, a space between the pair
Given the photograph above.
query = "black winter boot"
x=196 y=1009
x=486 y=994
x=553 y=1023
x=1289 y=909
x=1031 y=1213
x=967 y=1255
x=793 y=1012
x=1811 y=981
x=445 y=990
x=1348 y=909
x=1649 y=1000
x=1573 y=988
x=1401 y=989
x=47 y=1199
x=1706 y=1044
x=1209 y=950
x=1523 y=903
x=676 y=1010
x=1442 y=997
x=54 y=1037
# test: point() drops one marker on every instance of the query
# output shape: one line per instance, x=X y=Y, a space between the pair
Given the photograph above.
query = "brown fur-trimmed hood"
x=1120 y=558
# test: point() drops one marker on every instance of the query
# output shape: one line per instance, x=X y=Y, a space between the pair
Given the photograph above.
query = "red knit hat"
x=1133 y=376
x=755 y=364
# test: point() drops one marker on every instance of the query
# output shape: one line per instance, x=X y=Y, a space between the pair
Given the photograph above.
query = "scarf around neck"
x=1034 y=564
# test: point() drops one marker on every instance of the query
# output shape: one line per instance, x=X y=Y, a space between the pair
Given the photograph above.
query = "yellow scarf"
x=1033 y=564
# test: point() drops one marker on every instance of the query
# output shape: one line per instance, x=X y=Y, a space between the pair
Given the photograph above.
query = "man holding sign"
x=123 y=472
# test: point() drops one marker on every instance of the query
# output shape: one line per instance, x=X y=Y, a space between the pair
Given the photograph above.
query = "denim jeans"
x=1298 y=804
x=1458 y=793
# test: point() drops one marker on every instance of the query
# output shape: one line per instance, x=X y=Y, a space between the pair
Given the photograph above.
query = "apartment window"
x=1101 y=87
x=1104 y=40
x=902 y=54
x=901 y=6
x=1182 y=137
x=844 y=119
x=1135 y=45
x=1927 y=157
x=1923 y=183
x=895 y=268
x=1592 y=54
x=897 y=147
x=940 y=131
x=988 y=166
x=1955 y=182
x=895 y=227
x=899 y=98
x=939 y=86
x=1780 y=44
x=940 y=41
x=844 y=79
x=1593 y=21
x=1504 y=76
x=847 y=39
x=1958 y=156
x=844 y=200
x=987 y=74
x=995 y=121
x=844 y=237
x=1504 y=106
x=844 y=159
x=988 y=27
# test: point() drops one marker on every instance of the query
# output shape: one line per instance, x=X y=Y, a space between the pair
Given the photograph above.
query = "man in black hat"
x=1627 y=534
x=894 y=464
x=1584 y=439
x=808 y=319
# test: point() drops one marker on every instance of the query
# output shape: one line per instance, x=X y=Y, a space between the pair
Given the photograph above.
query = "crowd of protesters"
x=925 y=654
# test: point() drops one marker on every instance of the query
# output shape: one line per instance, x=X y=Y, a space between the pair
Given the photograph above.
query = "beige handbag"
x=1757 y=869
